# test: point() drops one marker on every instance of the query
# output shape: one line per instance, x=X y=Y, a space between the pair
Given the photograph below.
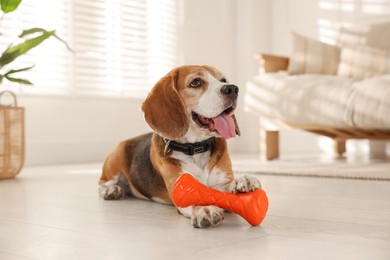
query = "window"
x=121 y=47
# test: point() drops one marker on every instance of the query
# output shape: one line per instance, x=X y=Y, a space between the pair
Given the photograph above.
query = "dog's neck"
x=189 y=148
x=195 y=141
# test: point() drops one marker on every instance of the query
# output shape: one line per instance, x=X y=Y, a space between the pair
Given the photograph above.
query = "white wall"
x=252 y=36
x=77 y=129
x=321 y=18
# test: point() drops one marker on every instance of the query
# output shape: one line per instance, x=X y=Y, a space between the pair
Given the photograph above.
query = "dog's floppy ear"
x=238 y=132
x=164 y=109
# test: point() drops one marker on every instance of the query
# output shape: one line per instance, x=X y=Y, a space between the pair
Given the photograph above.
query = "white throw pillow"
x=311 y=56
x=374 y=35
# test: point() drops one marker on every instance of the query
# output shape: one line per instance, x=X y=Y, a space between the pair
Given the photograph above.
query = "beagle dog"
x=191 y=111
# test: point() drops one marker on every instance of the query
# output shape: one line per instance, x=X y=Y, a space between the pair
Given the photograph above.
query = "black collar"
x=190 y=148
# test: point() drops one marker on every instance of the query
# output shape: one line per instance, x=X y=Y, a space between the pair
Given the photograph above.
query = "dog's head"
x=192 y=101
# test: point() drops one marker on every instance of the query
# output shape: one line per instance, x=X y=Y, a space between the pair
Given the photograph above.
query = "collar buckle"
x=198 y=149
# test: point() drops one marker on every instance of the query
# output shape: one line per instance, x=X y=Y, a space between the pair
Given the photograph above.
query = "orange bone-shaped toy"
x=252 y=206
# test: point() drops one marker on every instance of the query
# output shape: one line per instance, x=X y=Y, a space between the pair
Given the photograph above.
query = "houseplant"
x=12 y=117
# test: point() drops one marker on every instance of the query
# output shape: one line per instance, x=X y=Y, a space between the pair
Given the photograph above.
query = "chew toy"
x=252 y=206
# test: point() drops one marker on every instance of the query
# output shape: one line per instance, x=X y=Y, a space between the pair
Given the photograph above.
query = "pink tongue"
x=225 y=126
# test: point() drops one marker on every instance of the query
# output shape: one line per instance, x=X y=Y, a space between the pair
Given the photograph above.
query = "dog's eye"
x=223 y=80
x=196 y=83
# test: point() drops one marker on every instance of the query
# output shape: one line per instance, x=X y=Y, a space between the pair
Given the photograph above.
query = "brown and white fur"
x=141 y=166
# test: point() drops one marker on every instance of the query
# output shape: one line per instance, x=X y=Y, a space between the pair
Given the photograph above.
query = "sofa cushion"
x=324 y=100
x=369 y=104
x=312 y=56
x=300 y=99
x=362 y=62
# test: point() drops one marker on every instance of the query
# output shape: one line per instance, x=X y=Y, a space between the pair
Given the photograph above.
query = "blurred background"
x=84 y=102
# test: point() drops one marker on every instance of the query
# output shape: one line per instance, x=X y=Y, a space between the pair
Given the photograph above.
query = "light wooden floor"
x=54 y=212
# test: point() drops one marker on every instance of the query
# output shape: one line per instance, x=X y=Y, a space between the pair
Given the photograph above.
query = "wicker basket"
x=11 y=137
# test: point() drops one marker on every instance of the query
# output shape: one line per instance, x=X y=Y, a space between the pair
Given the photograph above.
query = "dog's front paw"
x=245 y=184
x=206 y=216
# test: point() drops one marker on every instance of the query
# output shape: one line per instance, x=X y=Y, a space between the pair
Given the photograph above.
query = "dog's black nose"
x=230 y=90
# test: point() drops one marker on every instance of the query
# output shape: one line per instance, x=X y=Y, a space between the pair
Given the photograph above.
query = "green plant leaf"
x=41 y=30
x=21 y=81
x=31 y=31
x=8 y=6
x=64 y=42
x=18 y=70
x=14 y=52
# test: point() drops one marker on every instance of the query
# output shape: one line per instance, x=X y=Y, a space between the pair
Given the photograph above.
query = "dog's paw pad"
x=204 y=217
x=112 y=193
x=245 y=184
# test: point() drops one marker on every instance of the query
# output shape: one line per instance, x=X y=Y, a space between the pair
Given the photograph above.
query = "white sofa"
x=342 y=91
